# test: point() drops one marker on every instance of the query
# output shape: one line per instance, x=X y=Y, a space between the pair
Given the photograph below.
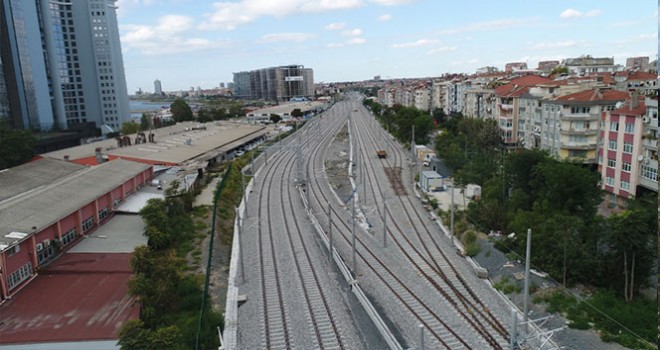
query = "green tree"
x=181 y=110
x=297 y=113
x=631 y=249
x=204 y=115
x=130 y=127
x=219 y=114
x=275 y=118
x=15 y=146
x=145 y=122
x=236 y=110
x=439 y=116
x=559 y=70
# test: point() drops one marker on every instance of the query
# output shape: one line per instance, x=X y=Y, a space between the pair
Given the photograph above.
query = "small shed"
x=430 y=181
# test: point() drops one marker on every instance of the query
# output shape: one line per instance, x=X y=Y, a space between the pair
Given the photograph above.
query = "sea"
x=137 y=107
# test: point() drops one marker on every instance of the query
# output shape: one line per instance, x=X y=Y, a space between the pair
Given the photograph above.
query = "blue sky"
x=188 y=43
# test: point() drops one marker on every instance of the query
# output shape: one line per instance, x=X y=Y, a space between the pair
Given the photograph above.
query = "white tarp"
x=135 y=202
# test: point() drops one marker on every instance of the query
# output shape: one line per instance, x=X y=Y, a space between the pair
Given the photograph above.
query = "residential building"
x=571 y=123
x=62 y=64
x=648 y=174
x=507 y=111
x=275 y=83
x=158 y=87
x=641 y=63
x=587 y=64
x=487 y=70
x=547 y=66
x=422 y=97
x=479 y=103
x=621 y=159
x=515 y=66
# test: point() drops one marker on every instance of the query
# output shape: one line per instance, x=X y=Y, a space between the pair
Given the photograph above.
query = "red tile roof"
x=627 y=110
x=642 y=76
x=516 y=86
x=595 y=95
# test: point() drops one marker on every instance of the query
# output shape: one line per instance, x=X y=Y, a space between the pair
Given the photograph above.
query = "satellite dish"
x=618 y=105
x=640 y=158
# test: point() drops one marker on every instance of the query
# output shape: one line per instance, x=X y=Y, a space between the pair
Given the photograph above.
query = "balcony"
x=578 y=116
x=581 y=159
x=579 y=145
x=585 y=132
x=648 y=142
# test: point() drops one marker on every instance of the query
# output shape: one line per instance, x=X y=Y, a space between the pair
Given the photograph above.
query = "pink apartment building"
x=621 y=157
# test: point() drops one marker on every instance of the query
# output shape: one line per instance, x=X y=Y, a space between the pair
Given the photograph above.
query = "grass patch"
x=639 y=317
x=506 y=286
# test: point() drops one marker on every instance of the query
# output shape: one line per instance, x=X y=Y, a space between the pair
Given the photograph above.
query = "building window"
x=626 y=167
x=577 y=139
x=630 y=128
x=625 y=185
x=609 y=181
x=103 y=213
x=69 y=236
x=614 y=126
x=612 y=145
x=611 y=163
x=87 y=224
x=649 y=172
x=627 y=147
x=16 y=278
x=13 y=250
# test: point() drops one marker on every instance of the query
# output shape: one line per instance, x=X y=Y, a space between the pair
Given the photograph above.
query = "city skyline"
x=353 y=40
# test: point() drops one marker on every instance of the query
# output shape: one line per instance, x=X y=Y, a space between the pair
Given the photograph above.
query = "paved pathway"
x=206 y=197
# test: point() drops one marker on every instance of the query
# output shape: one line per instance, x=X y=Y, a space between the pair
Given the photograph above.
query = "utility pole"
x=528 y=254
x=353 y=240
x=452 y=213
x=514 y=326
x=421 y=337
x=240 y=244
x=244 y=194
x=330 y=228
x=384 y=223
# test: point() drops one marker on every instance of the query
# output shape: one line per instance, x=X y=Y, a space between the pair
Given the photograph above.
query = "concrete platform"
x=121 y=234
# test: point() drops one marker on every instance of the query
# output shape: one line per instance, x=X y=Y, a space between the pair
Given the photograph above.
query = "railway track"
x=277 y=331
x=437 y=268
x=451 y=287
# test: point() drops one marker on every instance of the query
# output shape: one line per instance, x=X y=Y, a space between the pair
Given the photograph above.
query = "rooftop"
x=516 y=87
x=41 y=207
x=288 y=107
x=78 y=297
x=594 y=95
x=28 y=176
x=171 y=146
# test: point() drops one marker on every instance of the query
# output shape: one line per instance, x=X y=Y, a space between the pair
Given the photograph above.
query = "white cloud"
x=352 y=41
x=441 y=49
x=420 y=42
x=625 y=24
x=230 y=15
x=638 y=38
x=352 y=32
x=384 y=18
x=335 y=26
x=593 y=13
x=558 y=44
x=170 y=35
x=573 y=13
x=490 y=25
x=357 y=41
x=391 y=2
x=280 y=37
